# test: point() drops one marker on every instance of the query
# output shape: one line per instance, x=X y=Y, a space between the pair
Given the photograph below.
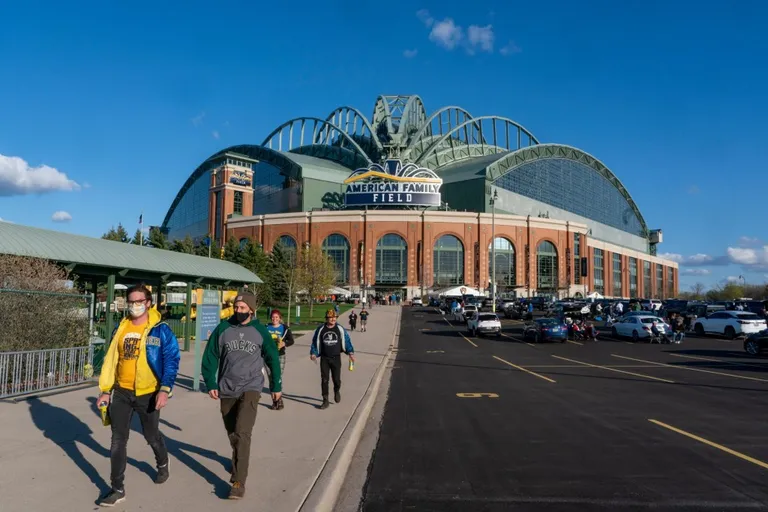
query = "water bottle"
x=351 y=365
x=105 y=419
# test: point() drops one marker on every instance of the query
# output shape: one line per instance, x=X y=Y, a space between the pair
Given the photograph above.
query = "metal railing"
x=42 y=370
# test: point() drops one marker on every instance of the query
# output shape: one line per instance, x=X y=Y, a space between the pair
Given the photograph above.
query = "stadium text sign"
x=393 y=184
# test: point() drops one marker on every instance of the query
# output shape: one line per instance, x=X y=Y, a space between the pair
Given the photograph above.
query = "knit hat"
x=330 y=314
x=248 y=298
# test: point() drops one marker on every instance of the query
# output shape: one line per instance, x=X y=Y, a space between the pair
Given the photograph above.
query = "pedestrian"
x=237 y=351
x=137 y=376
x=352 y=320
x=328 y=342
x=282 y=337
x=363 y=319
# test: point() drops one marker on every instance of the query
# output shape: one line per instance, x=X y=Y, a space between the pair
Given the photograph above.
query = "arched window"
x=288 y=244
x=505 y=263
x=391 y=260
x=336 y=247
x=243 y=243
x=448 y=261
x=546 y=267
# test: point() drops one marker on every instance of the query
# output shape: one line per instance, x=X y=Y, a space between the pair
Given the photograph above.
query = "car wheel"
x=730 y=332
x=698 y=329
x=752 y=347
x=635 y=336
x=614 y=332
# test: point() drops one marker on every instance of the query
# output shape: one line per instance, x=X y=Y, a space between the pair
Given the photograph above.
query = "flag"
x=141 y=217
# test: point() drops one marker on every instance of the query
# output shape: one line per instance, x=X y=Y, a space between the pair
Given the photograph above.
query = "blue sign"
x=208 y=317
x=393 y=184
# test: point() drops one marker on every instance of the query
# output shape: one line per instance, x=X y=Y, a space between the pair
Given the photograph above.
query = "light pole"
x=493 y=249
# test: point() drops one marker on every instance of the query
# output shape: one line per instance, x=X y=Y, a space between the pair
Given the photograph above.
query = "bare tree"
x=698 y=290
x=317 y=273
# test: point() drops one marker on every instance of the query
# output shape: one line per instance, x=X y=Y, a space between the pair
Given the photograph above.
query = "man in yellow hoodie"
x=138 y=375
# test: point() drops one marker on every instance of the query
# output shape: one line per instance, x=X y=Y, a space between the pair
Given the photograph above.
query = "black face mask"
x=241 y=317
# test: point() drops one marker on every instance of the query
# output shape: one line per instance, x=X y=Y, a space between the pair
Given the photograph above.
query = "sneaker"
x=112 y=498
x=274 y=405
x=337 y=396
x=280 y=405
x=163 y=473
x=325 y=404
x=237 y=491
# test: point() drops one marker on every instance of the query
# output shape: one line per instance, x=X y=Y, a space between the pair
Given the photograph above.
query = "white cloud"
x=733 y=279
x=61 y=216
x=481 y=37
x=748 y=241
x=510 y=48
x=699 y=259
x=18 y=178
x=749 y=257
x=409 y=54
x=446 y=34
x=678 y=258
x=198 y=119
x=695 y=271
x=693 y=189
x=215 y=134
x=425 y=17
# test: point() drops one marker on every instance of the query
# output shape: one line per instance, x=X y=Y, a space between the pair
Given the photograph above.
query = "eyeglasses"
x=132 y=302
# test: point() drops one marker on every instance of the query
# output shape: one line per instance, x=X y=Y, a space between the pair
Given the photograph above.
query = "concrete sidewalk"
x=54 y=452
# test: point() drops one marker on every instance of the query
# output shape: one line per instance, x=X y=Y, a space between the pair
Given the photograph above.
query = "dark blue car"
x=546 y=329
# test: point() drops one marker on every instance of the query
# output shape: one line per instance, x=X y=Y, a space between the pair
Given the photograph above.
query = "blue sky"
x=121 y=101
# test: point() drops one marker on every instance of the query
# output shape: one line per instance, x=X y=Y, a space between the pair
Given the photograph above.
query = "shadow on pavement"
x=181 y=450
x=70 y=434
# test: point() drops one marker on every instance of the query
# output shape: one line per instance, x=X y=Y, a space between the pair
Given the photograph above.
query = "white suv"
x=484 y=323
x=729 y=323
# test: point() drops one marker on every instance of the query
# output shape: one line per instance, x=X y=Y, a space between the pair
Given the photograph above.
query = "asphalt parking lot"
x=489 y=424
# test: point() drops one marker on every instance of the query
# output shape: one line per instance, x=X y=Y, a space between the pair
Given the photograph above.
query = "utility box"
x=656 y=236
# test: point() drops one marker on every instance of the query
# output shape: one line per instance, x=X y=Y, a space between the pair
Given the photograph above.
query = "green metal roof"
x=88 y=256
x=318 y=168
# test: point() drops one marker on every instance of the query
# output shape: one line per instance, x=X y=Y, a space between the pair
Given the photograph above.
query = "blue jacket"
x=314 y=349
x=158 y=362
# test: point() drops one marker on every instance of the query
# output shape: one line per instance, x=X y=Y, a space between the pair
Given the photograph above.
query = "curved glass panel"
x=391 y=260
x=448 y=261
x=191 y=214
x=336 y=247
x=273 y=192
x=546 y=267
x=558 y=181
x=505 y=263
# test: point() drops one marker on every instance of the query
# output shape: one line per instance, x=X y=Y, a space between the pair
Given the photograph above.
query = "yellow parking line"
x=524 y=370
x=733 y=363
x=615 y=370
x=469 y=340
x=518 y=339
x=710 y=443
x=691 y=369
x=574 y=342
x=581 y=366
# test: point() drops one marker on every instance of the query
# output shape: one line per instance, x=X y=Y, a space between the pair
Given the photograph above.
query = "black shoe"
x=337 y=396
x=163 y=473
x=274 y=405
x=325 y=403
x=112 y=498
x=280 y=405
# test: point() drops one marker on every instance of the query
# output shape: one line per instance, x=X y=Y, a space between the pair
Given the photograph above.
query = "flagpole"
x=141 y=228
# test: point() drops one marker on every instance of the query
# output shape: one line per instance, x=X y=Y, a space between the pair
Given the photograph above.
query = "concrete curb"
x=325 y=490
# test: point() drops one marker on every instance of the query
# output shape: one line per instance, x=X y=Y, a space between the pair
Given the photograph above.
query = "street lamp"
x=493 y=249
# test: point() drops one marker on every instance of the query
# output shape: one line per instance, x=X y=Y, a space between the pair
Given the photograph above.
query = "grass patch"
x=305 y=322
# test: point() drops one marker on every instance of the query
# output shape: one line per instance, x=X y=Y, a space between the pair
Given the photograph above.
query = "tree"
x=697 y=290
x=202 y=249
x=186 y=246
x=232 y=250
x=317 y=273
x=117 y=235
x=157 y=238
x=283 y=275
x=139 y=238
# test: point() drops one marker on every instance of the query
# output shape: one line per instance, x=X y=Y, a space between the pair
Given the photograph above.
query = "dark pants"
x=333 y=365
x=124 y=404
x=239 y=416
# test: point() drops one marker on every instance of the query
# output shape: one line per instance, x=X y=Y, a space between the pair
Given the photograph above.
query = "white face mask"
x=136 y=310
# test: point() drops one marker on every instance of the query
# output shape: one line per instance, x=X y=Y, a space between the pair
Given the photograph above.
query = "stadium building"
x=413 y=202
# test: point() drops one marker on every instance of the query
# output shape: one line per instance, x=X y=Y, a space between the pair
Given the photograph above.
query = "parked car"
x=416 y=301
x=484 y=323
x=546 y=329
x=434 y=302
x=468 y=312
x=729 y=323
x=638 y=327
x=756 y=343
x=651 y=304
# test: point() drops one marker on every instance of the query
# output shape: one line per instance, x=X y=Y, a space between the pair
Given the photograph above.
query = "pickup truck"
x=484 y=323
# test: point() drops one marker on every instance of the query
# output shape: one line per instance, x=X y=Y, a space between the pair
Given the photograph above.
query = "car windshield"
x=487 y=317
x=650 y=320
x=747 y=316
x=549 y=322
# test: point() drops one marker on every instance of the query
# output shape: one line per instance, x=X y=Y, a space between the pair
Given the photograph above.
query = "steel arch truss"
x=510 y=163
x=282 y=162
x=401 y=115
x=311 y=135
x=473 y=138
x=438 y=124
x=352 y=122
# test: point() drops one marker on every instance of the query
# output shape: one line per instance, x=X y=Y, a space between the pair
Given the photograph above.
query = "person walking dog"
x=328 y=342
x=138 y=375
x=237 y=351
